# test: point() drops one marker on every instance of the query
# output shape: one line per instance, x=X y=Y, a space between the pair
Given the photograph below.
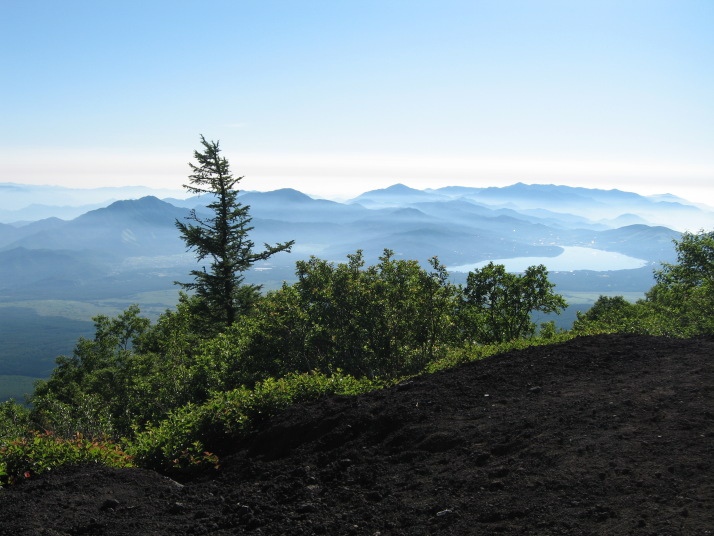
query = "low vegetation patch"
x=43 y=451
x=459 y=356
x=179 y=443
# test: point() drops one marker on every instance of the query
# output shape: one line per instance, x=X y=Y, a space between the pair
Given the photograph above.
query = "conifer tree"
x=220 y=292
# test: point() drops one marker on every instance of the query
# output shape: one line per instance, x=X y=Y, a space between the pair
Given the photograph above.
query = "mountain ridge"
x=459 y=230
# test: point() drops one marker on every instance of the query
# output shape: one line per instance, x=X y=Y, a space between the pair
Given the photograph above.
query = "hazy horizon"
x=356 y=192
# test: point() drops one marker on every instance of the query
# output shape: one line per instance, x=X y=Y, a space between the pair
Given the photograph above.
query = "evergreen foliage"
x=223 y=238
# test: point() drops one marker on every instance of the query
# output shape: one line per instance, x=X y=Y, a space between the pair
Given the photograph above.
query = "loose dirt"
x=600 y=435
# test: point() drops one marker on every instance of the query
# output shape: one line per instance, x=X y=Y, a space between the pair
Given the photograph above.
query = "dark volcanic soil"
x=601 y=435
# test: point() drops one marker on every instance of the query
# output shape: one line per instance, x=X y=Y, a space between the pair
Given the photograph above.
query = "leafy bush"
x=91 y=390
x=386 y=320
x=87 y=414
x=680 y=304
x=459 y=356
x=14 y=420
x=497 y=305
x=616 y=315
x=43 y=451
x=182 y=441
x=684 y=292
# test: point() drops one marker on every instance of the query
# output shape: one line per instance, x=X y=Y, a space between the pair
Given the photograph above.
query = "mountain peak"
x=143 y=202
x=289 y=193
x=399 y=188
x=394 y=190
x=147 y=209
x=282 y=195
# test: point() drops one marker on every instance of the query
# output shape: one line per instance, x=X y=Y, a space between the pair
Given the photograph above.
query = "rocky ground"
x=600 y=435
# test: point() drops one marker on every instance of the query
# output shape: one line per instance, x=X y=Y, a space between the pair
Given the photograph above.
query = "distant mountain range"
x=29 y=202
x=609 y=208
x=132 y=238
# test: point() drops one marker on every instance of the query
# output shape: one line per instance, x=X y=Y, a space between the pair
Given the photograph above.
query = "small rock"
x=481 y=459
x=109 y=504
x=172 y=483
x=177 y=508
x=374 y=496
x=306 y=508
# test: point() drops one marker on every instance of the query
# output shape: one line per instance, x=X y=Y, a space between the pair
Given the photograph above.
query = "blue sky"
x=337 y=97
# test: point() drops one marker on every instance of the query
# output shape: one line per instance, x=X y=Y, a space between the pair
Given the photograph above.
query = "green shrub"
x=680 y=304
x=43 y=451
x=182 y=442
x=458 y=356
x=14 y=420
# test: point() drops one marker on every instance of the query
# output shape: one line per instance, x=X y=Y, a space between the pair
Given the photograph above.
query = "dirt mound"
x=601 y=435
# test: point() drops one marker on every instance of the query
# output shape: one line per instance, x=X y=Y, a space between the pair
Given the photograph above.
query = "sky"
x=334 y=98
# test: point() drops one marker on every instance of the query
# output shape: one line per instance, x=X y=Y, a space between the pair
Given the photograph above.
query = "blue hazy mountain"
x=134 y=227
x=37 y=211
x=591 y=203
x=394 y=196
x=538 y=195
x=641 y=241
x=13 y=233
x=129 y=240
x=622 y=220
x=25 y=202
x=292 y=205
x=21 y=266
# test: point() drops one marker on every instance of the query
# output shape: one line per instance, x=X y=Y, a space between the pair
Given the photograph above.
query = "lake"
x=572 y=258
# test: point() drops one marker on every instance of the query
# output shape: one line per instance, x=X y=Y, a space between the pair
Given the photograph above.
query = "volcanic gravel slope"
x=600 y=435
